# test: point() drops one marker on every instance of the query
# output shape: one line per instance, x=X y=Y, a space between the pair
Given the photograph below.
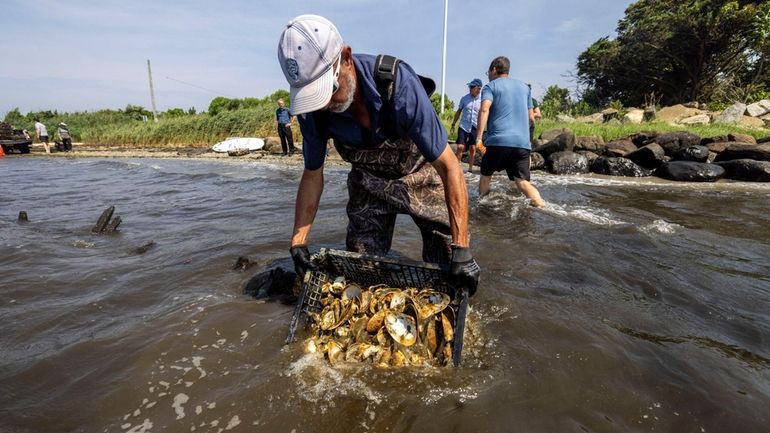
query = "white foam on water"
x=321 y=383
x=596 y=216
x=244 y=334
x=660 y=226
x=197 y=363
x=233 y=423
x=179 y=400
x=198 y=409
x=144 y=427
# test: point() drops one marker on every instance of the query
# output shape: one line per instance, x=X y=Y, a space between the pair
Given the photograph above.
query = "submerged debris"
x=104 y=225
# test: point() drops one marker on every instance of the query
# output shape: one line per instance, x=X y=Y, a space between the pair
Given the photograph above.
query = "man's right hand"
x=301 y=257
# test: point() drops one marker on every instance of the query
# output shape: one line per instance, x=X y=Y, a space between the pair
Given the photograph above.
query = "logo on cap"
x=292 y=69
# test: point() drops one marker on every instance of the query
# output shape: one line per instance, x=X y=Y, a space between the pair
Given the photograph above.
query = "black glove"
x=301 y=257
x=464 y=271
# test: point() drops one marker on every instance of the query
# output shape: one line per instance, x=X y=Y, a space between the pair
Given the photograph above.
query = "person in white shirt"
x=42 y=135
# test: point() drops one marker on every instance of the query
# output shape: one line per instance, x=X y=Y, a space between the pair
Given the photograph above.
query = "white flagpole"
x=443 y=57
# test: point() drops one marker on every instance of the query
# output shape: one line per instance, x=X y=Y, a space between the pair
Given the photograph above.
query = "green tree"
x=683 y=51
x=556 y=100
x=174 y=112
x=14 y=117
x=221 y=104
x=280 y=94
x=435 y=99
x=136 y=112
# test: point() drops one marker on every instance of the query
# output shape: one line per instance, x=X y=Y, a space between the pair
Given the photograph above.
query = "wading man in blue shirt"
x=401 y=163
x=506 y=106
x=469 y=110
x=283 y=117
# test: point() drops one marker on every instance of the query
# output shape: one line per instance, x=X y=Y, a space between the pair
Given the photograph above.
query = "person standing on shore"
x=469 y=110
x=284 y=118
x=506 y=105
x=64 y=136
x=386 y=127
x=42 y=134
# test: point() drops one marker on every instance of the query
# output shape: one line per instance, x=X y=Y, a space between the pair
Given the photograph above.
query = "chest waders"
x=391 y=178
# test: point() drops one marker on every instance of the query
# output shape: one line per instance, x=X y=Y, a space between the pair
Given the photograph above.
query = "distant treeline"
x=135 y=125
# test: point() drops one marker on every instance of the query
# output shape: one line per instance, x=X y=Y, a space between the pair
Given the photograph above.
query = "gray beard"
x=339 y=107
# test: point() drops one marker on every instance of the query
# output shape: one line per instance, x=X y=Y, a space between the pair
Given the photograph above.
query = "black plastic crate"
x=367 y=271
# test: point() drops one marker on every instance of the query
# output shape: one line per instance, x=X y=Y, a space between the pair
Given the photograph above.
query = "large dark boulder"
x=590 y=156
x=742 y=138
x=693 y=153
x=536 y=161
x=564 y=142
x=616 y=166
x=650 y=156
x=550 y=134
x=567 y=163
x=759 y=152
x=720 y=146
x=673 y=142
x=715 y=139
x=643 y=138
x=746 y=169
x=690 y=171
x=621 y=147
x=594 y=143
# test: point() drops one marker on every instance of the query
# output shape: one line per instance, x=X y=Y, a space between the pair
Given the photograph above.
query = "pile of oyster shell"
x=383 y=326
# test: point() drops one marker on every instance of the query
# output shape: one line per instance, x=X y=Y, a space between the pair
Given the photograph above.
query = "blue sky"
x=80 y=55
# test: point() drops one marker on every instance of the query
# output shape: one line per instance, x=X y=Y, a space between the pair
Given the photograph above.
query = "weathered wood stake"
x=103 y=220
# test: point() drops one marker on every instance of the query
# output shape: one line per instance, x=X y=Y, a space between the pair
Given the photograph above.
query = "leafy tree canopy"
x=690 y=50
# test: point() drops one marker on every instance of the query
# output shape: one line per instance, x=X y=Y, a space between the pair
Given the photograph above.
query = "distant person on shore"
x=469 y=110
x=506 y=106
x=42 y=135
x=537 y=116
x=383 y=123
x=64 y=136
x=284 y=118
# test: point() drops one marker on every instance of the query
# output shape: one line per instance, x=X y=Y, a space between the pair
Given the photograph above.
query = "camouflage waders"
x=390 y=179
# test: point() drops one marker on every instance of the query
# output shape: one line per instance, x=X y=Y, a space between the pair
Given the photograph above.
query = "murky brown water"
x=626 y=306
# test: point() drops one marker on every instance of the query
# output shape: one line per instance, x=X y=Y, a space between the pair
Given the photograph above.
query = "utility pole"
x=443 y=57
x=152 y=93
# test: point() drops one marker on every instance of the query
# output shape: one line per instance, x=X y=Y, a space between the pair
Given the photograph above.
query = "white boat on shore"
x=232 y=144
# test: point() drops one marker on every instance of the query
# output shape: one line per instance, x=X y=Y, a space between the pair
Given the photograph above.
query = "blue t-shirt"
x=413 y=115
x=508 y=123
x=470 y=113
x=283 y=115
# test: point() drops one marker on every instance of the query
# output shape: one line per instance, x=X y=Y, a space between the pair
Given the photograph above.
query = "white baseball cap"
x=307 y=51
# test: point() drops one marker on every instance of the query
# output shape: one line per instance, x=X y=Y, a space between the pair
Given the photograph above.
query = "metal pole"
x=443 y=57
x=152 y=92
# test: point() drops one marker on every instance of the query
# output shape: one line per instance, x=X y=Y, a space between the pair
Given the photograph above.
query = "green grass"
x=611 y=131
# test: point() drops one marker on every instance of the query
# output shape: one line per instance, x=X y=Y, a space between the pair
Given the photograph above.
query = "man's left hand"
x=464 y=270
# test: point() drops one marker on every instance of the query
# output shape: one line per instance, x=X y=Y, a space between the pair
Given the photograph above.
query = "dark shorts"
x=466 y=138
x=44 y=139
x=514 y=160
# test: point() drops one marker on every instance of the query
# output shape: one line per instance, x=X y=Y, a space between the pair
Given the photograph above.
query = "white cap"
x=307 y=50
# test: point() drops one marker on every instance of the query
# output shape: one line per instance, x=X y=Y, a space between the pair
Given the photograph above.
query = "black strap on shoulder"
x=385 y=71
